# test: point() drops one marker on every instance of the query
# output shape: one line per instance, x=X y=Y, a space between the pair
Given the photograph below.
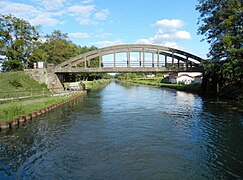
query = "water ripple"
x=135 y=132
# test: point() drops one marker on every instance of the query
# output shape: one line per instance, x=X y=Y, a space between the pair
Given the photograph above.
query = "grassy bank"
x=18 y=81
x=13 y=109
x=12 y=81
x=97 y=83
x=193 y=88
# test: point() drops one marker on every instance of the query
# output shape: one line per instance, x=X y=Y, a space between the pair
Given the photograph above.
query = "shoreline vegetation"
x=192 y=88
x=13 y=113
x=96 y=84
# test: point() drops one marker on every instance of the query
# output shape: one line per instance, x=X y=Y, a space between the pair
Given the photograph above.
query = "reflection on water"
x=128 y=132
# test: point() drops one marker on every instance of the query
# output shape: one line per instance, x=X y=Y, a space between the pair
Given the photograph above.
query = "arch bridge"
x=131 y=58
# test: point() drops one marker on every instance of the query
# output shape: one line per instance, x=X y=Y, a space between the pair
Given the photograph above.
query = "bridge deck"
x=126 y=69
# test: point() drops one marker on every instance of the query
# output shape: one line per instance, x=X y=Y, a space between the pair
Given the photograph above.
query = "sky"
x=171 y=23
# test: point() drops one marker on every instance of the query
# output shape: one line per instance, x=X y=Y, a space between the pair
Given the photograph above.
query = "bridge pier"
x=47 y=76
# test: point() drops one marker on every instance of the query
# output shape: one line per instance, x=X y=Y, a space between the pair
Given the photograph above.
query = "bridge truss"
x=161 y=59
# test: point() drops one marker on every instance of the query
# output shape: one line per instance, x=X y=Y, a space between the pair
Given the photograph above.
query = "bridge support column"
x=157 y=57
x=186 y=63
x=165 y=61
x=85 y=62
x=143 y=57
x=114 y=58
x=152 y=59
x=140 y=59
x=128 y=58
x=173 y=58
x=100 y=61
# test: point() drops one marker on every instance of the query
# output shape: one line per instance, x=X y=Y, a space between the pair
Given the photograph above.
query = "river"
x=128 y=132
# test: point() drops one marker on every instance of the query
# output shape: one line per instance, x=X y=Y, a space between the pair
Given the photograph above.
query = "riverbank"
x=19 y=81
x=96 y=84
x=14 y=113
x=192 y=88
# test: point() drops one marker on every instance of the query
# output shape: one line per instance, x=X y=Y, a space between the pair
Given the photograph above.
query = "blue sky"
x=171 y=23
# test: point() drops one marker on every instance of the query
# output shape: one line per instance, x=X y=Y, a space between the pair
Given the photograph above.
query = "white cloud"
x=86 y=14
x=87 y=1
x=168 y=33
x=30 y=13
x=182 y=35
x=144 y=41
x=82 y=13
x=102 y=15
x=20 y=10
x=53 y=12
x=158 y=42
x=81 y=10
x=107 y=43
x=170 y=44
x=86 y=21
x=170 y=24
x=103 y=35
x=79 y=35
x=44 y=20
x=51 y=4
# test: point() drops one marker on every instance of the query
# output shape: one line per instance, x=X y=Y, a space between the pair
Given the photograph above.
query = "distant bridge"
x=138 y=58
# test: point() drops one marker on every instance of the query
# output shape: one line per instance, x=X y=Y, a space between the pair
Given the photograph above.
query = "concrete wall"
x=46 y=76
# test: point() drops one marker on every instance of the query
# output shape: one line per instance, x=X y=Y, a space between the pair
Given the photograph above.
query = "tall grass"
x=97 y=83
x=10 y=110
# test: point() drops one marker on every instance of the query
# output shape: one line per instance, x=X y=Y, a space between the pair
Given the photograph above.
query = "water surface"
x=128 y=132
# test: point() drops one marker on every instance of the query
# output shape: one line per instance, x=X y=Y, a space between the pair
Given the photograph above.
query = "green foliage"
x=129 y=75
x=38 y=54
x=11 y=81
x=193 y=88
x=57 y=48
x=17 y=39
x=12 y=109
x=15 y=82
x=12 y=65
x=222 y=24
x=96 y=84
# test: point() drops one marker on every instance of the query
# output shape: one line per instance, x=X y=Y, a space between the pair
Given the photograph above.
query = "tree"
x=17 y=38
x=221 y=21
x=58 y=48
x=38 y=54
x=222 y=24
